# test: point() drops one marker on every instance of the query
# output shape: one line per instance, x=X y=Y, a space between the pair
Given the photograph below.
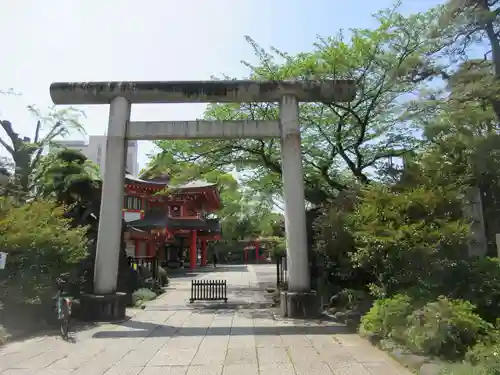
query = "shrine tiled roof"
x=196 y=184
x=129 y=179
x=133 y=229
x=151 y=220
x=160 y=220
x=179 y=223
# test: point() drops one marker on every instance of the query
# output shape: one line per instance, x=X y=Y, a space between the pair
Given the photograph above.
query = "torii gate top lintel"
x=227 y=91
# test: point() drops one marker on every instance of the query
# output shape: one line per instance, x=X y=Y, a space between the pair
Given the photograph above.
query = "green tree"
x=342 y=143
x=25 y=152
x=466 y=25
x=41 y=245
x=410 y=238
x=461 y=127
x=67 y=176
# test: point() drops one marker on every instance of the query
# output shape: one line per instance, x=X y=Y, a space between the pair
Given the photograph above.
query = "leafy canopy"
x=342 y=143
x=41 y=245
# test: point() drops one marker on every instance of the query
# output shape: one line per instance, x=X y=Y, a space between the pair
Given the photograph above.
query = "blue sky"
x=91 y=40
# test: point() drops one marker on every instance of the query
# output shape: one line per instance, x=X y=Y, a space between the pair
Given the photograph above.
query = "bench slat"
x=208 y=290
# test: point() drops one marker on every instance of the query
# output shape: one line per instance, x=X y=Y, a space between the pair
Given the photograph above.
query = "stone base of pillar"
x=103 y=308
x=301 y=305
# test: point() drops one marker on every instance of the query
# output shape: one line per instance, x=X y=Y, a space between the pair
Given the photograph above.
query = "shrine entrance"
x=256 y=250
x=121 y=95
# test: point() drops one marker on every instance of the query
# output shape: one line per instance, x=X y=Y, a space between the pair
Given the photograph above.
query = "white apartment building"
x=95 y=150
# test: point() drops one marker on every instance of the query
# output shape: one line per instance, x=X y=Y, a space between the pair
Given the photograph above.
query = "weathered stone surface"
x=300 y=305
x=413 y=361
x=103 y=308
x=231 y=91
x=172 y=337
x=430 y=369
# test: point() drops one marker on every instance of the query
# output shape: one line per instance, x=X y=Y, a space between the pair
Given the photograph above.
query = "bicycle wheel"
x=65 y=321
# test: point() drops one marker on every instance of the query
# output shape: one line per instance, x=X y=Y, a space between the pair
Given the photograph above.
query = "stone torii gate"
x=300 y=300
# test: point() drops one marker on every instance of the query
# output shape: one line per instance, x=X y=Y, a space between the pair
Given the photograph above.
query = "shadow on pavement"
x=146 y=329
x=23 y=321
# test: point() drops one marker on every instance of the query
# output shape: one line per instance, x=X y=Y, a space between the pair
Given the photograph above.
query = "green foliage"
x=278 y=246
x=27 y=153
x=67 y=176
x=142 y=295
x=478 y=281
x=334 y=242
x=486 y=354
x=387 y=318
x=445 y=328
x=467 y=369
x=340 y=142
x=408 y=238
x=41 y=245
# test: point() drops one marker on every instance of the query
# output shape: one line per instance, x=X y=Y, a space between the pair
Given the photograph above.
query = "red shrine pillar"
x=257 y=248
x=203 y=253
x=192 y=251
x=245 y=255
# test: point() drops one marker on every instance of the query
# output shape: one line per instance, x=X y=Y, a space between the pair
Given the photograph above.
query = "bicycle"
x=63 y=309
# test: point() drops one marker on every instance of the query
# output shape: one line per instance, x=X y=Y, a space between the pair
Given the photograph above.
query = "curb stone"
x=421 y=365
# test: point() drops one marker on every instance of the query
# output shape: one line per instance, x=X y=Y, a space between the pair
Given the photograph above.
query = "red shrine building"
x=174 y=224
x=256 y=250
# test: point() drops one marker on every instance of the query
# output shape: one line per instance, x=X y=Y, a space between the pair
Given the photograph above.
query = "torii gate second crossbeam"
x=299 y=298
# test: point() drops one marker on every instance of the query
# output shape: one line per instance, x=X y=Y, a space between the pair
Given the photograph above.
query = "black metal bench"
x=208 y=290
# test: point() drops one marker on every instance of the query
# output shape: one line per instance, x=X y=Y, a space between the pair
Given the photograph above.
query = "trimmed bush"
x=387 y=318
x=486 y=354
x=142 y=295
x=480 y=284
x=445 y=328
x=466 y=369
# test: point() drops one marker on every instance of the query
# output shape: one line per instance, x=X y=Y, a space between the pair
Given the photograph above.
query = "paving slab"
x=172 y=336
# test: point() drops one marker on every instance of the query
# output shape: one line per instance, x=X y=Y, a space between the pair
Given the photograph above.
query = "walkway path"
x=172 y=337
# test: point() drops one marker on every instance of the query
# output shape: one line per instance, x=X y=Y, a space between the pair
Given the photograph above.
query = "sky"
x=126 y=40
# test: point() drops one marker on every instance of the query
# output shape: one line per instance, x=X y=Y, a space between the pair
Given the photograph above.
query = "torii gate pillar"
x=299 y=300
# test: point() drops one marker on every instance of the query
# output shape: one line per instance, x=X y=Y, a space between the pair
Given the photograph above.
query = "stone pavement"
x=173 y=337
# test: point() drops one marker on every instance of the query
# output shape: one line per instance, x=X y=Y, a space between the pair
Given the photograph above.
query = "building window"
x=133 y=203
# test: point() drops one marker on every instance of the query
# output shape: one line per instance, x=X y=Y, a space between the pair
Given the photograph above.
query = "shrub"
x=480 y=284
x=407 y=239
x=387 y=317
x=142 y=295
x=466 y=369
x=41 y=245
x=445 y=328
x=333 y=241
x=486 y=354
